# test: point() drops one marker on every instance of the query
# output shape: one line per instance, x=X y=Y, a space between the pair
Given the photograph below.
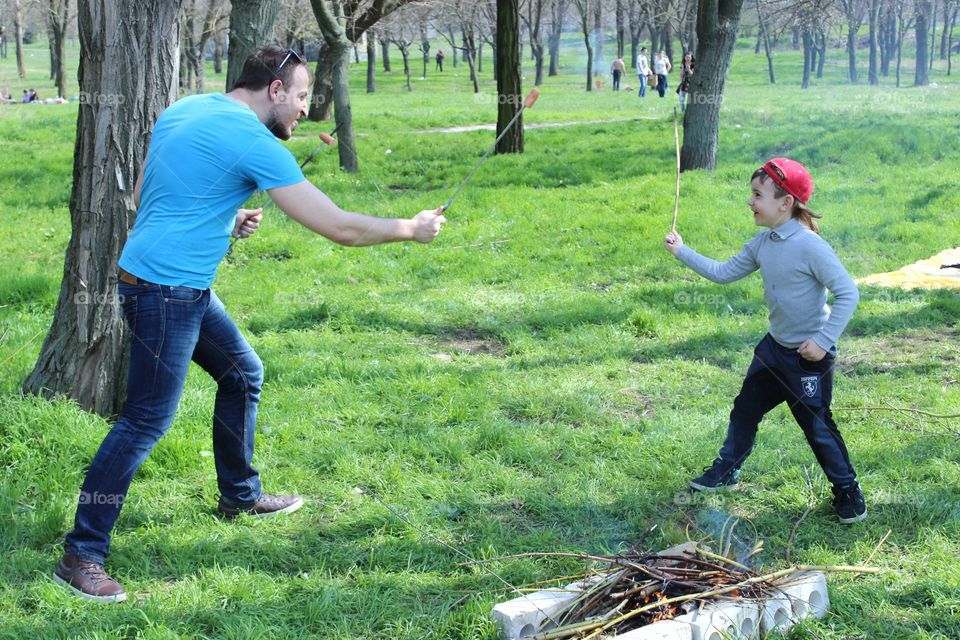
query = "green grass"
x=583 y=375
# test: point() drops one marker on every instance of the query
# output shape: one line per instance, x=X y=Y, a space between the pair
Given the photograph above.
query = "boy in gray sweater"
x=794 y=362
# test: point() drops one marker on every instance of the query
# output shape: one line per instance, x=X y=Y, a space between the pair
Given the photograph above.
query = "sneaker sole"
x=862 y=516
x=288 y=509
x=120 y=597
x=702 y=487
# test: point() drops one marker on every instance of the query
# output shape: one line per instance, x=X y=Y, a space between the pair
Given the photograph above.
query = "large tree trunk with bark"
x=717 y=22
x=251 y=26
x=921 y=75
x=84 y=354
x=509 y=87
x=337 y=45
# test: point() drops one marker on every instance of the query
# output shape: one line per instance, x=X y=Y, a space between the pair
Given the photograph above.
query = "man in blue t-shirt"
x=207 y=155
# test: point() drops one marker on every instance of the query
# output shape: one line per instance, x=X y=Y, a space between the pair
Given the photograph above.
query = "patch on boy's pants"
x=923 y=274
x=811 y=385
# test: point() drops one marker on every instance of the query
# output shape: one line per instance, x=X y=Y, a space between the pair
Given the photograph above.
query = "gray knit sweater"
x=798 y=268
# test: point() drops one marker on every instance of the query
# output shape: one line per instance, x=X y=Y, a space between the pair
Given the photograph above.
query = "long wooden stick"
x=676 y=141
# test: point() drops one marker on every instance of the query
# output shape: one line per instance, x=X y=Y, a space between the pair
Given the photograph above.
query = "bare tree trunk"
x=385 y=54
x=921 y=76
x=251 y=26
x=218 y=54
x=598 y=36
x=321 y=102
x=765 y=35
x=405 y=54
x=509 y=87
x=337 y=46
x=821 y=39
x=534 y=19
x=18 y=37
x=84 y=354
x=621 y=28
x=371 y=61
x=807 y=55
x=901 y=31
x=874 y=15
x=558 y=12
x=470 y=50
x=933 y=34
x=59 y=17
x=717 y=23
x=948 y=19
x=950 y=41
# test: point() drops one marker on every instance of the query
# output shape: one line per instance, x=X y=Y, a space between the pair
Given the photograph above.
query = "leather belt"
x=129 y=278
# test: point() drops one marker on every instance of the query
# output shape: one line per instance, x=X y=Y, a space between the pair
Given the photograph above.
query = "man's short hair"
x=266 y=64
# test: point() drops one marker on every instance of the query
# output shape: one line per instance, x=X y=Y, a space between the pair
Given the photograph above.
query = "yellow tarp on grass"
x=925 y=274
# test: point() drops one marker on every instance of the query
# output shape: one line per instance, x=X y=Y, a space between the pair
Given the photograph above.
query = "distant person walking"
x=440 y=60
x=643 y=71
x=617 y=69
x=661 y=67
x=686 y=71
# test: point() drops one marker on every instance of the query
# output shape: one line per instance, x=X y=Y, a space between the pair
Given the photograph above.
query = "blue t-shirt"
x=208 y=154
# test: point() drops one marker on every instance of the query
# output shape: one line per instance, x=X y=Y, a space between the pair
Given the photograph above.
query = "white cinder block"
x=807 y=593
x=524 y=616
x=777 y=615
x=663 y=630
x=724 y=620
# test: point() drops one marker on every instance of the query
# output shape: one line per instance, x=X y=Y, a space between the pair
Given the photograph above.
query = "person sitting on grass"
x=222 y=147
x=794 y=362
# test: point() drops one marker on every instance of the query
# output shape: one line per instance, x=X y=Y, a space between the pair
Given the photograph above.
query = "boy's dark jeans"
x=778 y=374
x=170 y=326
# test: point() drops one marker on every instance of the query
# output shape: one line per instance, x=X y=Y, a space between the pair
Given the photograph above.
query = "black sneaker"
x=849 y=504
x=267 y=505
x=716 y=478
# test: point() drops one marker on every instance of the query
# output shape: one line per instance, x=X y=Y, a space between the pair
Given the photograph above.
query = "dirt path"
x=541 y=125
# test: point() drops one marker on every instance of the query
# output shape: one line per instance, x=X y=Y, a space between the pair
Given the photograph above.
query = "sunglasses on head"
x=290 y=53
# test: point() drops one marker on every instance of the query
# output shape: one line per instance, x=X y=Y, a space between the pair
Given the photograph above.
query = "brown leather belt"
x=129 y=278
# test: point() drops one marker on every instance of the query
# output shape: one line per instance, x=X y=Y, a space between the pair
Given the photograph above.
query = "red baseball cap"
x=791 y=176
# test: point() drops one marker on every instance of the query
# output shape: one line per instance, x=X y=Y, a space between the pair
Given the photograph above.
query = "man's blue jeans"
x=642 y=79
x=170 y=326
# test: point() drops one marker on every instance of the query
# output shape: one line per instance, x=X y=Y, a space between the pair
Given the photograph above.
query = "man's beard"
x=277 y=128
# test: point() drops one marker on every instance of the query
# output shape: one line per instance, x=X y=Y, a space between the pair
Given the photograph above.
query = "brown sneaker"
x=267 y=505
x=88 y=580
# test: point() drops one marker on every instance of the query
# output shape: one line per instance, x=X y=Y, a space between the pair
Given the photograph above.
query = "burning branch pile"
x=638 y=589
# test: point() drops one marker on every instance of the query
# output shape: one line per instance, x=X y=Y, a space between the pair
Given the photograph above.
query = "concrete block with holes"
x=527 y=615
x=807 y=593
x=663 y=630
x=777 y=615
x=724 y=620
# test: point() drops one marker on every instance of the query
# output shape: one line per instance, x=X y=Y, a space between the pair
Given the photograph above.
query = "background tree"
x=922 y=10
x=534 y=21
x=558 y=14
x=873 y=20
x=83 y=355
x=854 y=11
x=717 y=23
x=251 y=26
x=18 y=37
x=58 y=19
x=584 y=10
x=509 y=87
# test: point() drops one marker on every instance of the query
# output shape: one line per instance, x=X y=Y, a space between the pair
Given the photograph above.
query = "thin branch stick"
x=676 y=141
x=898 y=409
x=877 y=548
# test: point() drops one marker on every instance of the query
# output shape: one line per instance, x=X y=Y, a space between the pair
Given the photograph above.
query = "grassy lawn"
x=543 y=377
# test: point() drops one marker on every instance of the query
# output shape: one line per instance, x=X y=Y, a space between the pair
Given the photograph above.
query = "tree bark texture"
x=717 y=22
x=84 y=355
x=921 y=75
x=509 y=87
x=251 y=26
